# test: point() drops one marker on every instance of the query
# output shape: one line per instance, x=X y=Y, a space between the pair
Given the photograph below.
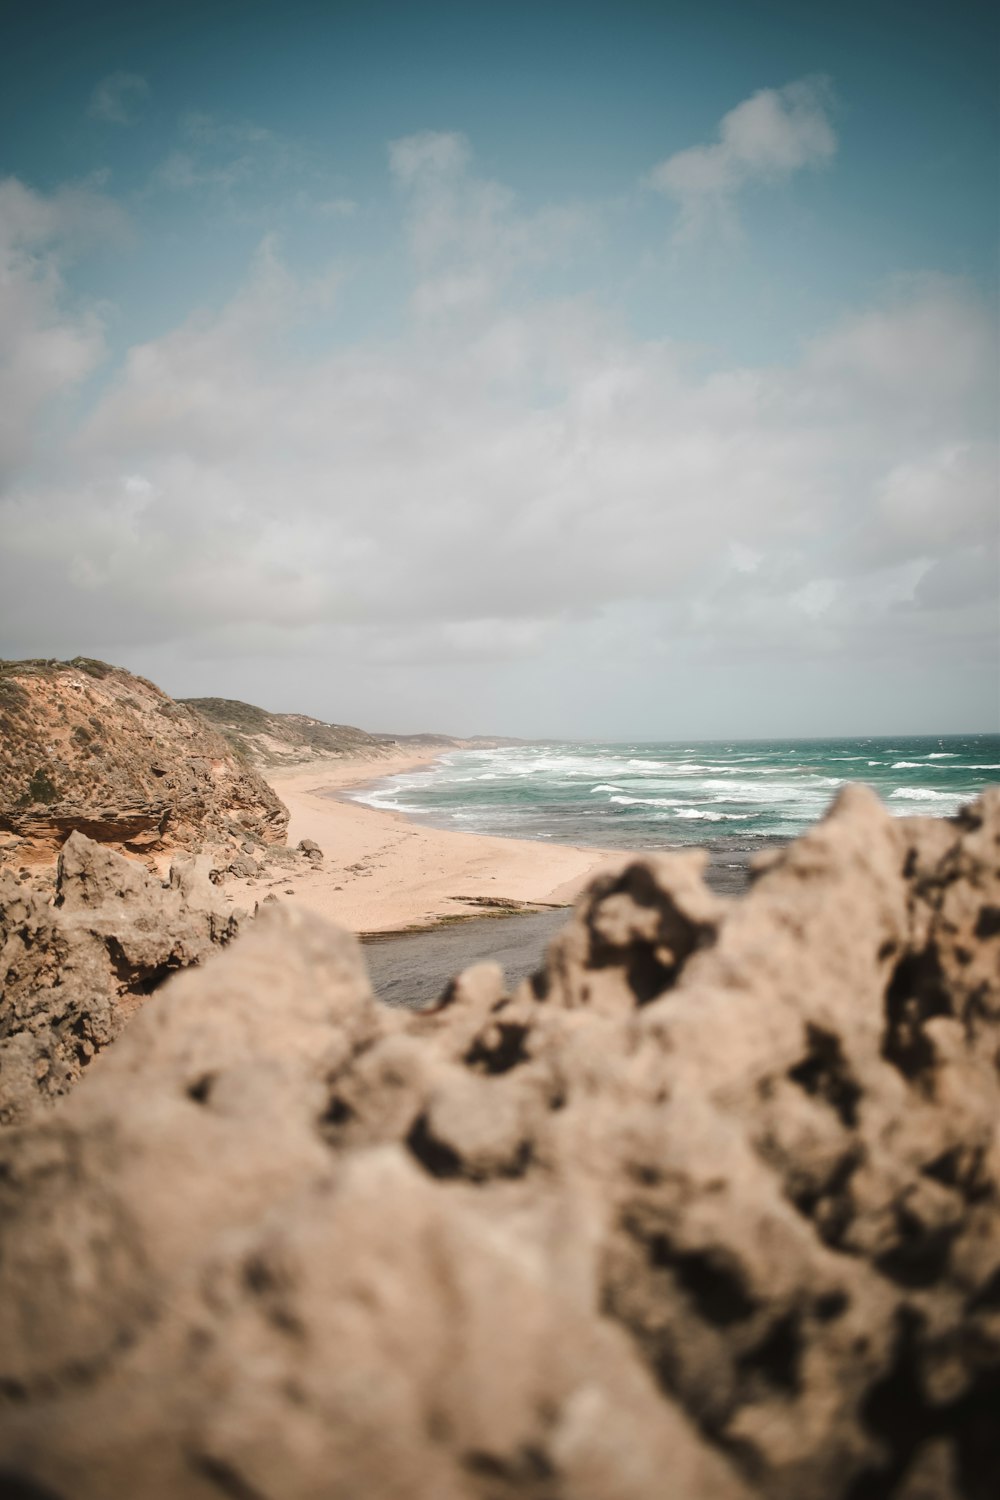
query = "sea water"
x=736 y=795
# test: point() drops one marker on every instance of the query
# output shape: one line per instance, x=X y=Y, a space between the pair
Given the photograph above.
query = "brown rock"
x=91 y=748
x=710 y=1208
x=73 y=972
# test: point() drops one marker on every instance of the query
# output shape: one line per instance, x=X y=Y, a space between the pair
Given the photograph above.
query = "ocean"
x=731 y=796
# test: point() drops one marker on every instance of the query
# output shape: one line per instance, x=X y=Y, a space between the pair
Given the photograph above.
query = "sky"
x=606 y=371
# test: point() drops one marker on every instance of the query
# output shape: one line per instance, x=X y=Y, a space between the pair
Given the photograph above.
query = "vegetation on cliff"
x=89 y=747
x=270 y=739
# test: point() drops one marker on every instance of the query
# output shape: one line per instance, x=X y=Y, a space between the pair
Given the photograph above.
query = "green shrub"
x=91 y=666
x=42 y=787
x=12 y=694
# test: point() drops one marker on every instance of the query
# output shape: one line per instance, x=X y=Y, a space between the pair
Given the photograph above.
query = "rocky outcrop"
x=710 y=1208
x=90 y=748
x=74 y=970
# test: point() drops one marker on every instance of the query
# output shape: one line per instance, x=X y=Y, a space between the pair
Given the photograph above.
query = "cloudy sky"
x=602 y=370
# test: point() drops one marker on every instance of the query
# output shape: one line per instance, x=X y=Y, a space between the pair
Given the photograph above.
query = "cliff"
x=708 y=1209
x=91 y=748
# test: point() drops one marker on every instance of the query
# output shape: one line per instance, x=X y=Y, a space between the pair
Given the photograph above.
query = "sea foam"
x=923 y=794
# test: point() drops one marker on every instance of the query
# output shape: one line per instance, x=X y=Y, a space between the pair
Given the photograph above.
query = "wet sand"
x=413 y=969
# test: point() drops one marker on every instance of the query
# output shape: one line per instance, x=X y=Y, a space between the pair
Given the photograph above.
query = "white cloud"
x=180 y=171
x=246 y=172
x=947 y=498
x=508 y=472
x=430 y=154
x=117 y=97
x=226 y=155
x=815 y=597
x=335 y=208
x=469 y=236
x=771 y=135
x=969 y=576
x=413 y=485
x=924 y=344
x=215 y=154
x=45 y=349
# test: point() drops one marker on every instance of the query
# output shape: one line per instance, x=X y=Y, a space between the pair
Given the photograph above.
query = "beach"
x=425 y=849
x=428 y=902
x=383 y=873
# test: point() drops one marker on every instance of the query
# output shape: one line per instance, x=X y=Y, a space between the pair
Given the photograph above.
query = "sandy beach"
x=383 y=873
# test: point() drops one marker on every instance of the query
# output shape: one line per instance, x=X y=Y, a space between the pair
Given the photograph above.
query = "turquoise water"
x=629 y=796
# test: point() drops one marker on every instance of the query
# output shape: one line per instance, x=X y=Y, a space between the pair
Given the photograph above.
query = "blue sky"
x=567 y=369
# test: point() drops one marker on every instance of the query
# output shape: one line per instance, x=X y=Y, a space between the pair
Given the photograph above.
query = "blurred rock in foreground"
x=708 y=1209
x=73 y=971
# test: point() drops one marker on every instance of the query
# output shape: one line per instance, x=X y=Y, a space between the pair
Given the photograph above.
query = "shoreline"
x=385 y=875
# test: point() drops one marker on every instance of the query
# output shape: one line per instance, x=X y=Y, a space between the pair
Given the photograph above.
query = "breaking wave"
x=921 y=794
x=635 y=796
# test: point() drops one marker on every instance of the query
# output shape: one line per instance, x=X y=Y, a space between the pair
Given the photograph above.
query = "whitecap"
x=921 y=794
x=386 y=806
x=811 y=791
x=903 y=765
x=625 y=801
x=711 y=817
x=943 y=755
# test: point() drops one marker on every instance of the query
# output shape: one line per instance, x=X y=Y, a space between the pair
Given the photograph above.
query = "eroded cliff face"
x=708 y=1209
x=91 y=748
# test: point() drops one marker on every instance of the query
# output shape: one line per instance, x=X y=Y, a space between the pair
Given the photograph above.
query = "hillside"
x=449 y=741
x=89 y=747
x=269 y=739
x=273 y=739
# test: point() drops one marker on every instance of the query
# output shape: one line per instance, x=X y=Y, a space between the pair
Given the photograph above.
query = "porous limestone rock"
x=73 y=970
x=707 y=1209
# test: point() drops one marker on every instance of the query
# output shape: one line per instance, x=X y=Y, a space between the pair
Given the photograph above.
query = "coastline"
x=385 y=874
